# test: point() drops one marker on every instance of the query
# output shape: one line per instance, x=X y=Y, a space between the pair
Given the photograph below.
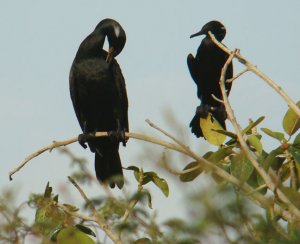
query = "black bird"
x=99 y=97
x=205 y=70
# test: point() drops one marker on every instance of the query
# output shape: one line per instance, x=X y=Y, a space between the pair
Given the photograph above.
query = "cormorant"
x=205 y=70
x=99 y=97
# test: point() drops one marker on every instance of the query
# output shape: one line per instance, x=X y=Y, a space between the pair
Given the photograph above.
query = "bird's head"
x=215 y=27
x=115 y=35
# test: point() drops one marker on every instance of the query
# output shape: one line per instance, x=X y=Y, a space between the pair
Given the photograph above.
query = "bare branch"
x=56 y=144
x=217 y=99
x=237 y=76
x=84 y=196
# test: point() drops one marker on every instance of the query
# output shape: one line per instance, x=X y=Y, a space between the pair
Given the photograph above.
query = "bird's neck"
x=91 y=46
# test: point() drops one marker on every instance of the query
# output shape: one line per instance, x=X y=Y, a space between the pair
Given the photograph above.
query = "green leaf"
x=85 y=230
x=207 y=155
x=190 y=176
x=285 y=173
x=262 y=159
x=128 y=226
x=149 y=197
x=291 y=121
x=225 y=167
x=176 y=224
x=136 y=172
x=241 y=167
x=226 y=133
x=253 y=124
x=255 y=142
x=143 y=241
x=134 y=168
x=48 y=219
x=71 y=235
x=220 y=154
x=297 y=141
x=208 y=125
x=292 y=194
x=48 y=191
x=162 y=185
x=231 y=142
x=147 y=177
x=277 y=135
x=274 y=160
x=295 y=152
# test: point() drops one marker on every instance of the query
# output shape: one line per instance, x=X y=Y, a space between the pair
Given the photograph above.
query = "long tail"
x=108 y=165
x=195 y=123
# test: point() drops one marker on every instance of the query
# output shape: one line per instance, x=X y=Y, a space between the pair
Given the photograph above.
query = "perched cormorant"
x=99 y=97
x=205 y=70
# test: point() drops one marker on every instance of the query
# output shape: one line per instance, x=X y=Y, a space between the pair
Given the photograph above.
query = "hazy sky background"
x=39 y=40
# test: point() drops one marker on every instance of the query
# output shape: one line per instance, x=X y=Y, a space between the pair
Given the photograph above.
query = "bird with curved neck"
x=99 y=97
x=205 y=69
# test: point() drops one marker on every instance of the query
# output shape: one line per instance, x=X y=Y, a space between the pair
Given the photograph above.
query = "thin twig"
x=267 y=178
x=263 y=76
x=168 y=135
x=84 y=196
x=133 y=202
x=96 y=218
x=76 y=214
x=217 y=99
x=258 y=189
x=237 y=76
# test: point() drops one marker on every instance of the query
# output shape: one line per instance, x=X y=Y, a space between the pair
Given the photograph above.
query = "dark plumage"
x=99 y=97
x=205 y=70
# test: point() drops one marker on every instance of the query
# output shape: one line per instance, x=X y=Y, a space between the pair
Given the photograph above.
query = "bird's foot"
x=85 y=138
x=117 y=135
x=203 y=110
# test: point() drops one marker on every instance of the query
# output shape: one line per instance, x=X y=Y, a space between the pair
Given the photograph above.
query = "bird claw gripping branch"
x=85 y=138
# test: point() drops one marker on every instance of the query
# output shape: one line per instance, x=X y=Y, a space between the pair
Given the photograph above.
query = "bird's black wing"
x=74 y=94
x=192 y=65
x=121 y=87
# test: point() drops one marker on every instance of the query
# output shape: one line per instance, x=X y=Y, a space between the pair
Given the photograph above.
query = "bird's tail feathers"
x=195 y=126
x=108 y=165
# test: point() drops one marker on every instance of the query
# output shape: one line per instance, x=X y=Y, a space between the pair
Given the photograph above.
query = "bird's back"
x=210 y=60
x=95 y=99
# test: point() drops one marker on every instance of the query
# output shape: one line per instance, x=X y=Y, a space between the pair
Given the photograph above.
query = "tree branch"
x=56 y=144
x=267 y=178
x=258 y=198
x=263 y=76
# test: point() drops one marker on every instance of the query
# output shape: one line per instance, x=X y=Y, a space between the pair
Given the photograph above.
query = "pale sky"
x=39 y=40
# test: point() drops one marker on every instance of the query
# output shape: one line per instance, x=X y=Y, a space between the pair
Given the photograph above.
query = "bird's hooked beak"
x=197 y=34
x=109 y=54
